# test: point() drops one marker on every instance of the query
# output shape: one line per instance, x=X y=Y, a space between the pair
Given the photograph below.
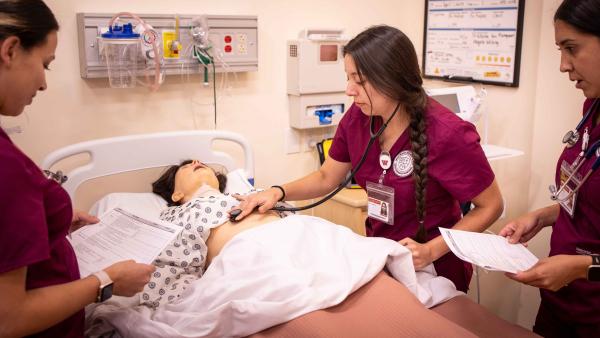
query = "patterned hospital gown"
x=183 y=261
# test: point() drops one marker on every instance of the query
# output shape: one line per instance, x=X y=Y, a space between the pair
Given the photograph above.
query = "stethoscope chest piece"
x=571 y=138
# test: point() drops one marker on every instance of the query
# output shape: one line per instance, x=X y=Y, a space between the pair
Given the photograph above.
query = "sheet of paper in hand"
x=119 y=236
x=489 y=251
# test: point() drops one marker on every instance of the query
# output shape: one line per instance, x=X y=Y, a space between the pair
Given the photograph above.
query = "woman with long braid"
x=425 y=162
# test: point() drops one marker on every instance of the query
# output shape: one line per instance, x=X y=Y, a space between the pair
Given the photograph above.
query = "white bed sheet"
x=269 y=275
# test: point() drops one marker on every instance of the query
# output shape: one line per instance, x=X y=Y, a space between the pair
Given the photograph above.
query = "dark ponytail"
x=29 y=20
x=386 y=58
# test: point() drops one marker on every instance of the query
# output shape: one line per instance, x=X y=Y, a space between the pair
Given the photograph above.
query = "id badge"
x=380 y=204
x=569 y=203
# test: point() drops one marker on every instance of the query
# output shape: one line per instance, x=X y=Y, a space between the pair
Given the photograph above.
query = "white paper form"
x=491 y=252
x=119 y=236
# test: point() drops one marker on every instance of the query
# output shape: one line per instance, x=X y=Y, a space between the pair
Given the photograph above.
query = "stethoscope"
x=373 y=136
x=572 y=136
x=570 y=139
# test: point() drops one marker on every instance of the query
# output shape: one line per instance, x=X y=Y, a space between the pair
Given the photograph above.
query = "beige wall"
x=74 y=110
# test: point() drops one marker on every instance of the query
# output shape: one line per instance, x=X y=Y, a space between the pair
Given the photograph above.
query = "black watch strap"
x=595 y=259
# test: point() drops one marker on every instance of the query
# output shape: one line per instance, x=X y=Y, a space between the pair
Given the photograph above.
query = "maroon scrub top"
x=35 y=215
x=579 y=302
x=457 y=171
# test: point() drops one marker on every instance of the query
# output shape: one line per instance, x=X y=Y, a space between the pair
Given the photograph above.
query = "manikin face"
x=367 y=98
x=580 y=57
x=23 y=73
x=189 y=178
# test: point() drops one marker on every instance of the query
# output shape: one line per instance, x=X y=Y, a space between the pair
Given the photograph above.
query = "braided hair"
x=386 y=58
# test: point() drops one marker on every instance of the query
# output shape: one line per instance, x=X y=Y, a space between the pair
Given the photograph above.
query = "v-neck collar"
x=400 y=142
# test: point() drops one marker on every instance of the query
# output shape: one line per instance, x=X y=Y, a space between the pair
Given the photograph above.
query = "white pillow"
x=149 y=205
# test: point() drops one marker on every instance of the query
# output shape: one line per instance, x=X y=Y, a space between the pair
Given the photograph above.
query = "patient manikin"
x=202 y=210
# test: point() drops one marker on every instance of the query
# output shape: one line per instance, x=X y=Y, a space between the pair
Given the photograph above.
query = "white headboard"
x=128 y=153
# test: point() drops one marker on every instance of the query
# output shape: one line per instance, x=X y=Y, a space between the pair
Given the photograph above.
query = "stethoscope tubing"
x=589 y=153
x=372 y=139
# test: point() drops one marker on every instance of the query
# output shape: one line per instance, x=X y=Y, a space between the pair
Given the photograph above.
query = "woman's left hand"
x=81 y=219
x=550 y=273
x=421 y=253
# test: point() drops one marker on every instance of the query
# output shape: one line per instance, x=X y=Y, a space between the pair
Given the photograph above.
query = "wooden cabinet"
x=348 y=208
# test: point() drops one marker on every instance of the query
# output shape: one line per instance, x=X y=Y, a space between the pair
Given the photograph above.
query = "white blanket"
x=269 y=275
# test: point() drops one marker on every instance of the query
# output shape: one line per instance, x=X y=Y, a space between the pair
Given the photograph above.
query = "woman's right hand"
x=523 y=228
x=264 y=200
x=129 y=277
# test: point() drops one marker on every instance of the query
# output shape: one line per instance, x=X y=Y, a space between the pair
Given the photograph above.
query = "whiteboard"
x=473 y=40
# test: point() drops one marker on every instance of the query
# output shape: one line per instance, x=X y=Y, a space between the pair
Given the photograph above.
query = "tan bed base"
x=385 y=308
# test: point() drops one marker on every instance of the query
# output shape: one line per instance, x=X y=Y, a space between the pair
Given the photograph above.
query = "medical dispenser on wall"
x=130 y=51
x=316 y=81
x=182 y=44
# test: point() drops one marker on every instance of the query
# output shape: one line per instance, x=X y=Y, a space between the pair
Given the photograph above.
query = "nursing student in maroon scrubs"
x=41 y=293
x=569 y=279
x=420 y=167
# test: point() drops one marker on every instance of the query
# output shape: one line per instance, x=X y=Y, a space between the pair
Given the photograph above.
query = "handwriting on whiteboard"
x=475 y=39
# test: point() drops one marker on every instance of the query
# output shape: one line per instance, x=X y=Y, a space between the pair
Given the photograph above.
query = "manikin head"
x=180 y=183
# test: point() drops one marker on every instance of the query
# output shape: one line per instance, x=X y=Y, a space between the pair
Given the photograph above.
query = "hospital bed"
x=383 y=307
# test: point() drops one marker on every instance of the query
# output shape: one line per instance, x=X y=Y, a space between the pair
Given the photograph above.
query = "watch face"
x=594 y=273
x=107 y=292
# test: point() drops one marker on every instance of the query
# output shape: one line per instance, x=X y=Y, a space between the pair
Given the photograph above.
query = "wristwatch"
x=593 y=273
x=105 y=291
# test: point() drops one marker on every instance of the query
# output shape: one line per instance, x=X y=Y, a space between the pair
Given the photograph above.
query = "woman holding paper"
x=40 y=287
x=570 y=277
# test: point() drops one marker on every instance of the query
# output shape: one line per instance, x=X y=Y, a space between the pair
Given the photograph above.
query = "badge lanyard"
x=380 y=203
x=570 y=178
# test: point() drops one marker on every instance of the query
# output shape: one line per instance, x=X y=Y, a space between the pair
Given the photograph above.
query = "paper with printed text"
x=489 y=251
x=120 y=236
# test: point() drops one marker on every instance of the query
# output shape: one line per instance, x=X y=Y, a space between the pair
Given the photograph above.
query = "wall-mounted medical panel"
x=317 y=110
x=315 y=78
x=315 y=63
x=234 y=41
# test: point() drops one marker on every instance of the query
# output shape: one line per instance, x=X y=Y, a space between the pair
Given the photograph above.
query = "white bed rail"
x=115 y=155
